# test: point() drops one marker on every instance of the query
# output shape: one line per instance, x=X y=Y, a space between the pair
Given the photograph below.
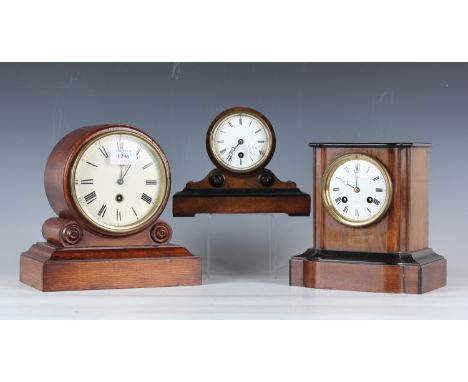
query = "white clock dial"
x=241 y=142
x=119 y=182
x=357 y=189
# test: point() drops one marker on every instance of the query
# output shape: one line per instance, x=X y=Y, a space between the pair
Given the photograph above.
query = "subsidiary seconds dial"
x=357 y=189
x=120 y=181
x=241 y=140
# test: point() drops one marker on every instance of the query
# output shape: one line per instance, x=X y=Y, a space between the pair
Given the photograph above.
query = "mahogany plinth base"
x=48 y=267
x=224 y=193
x=293 y=203
x=415 y=273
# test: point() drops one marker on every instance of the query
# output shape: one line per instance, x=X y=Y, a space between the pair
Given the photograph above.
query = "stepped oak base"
x=52 y=268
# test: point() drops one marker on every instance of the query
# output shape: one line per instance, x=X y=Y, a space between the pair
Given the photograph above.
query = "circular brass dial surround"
x=250 y=113
x=327 y=199
x=157 y=208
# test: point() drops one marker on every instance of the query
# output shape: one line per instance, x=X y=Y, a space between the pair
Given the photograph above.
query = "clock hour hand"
x=346 y=183
x=231 y=152
x=122 y=175
x=125 y=173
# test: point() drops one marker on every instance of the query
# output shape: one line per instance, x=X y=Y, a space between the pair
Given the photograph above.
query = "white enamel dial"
x=357 y=189
x=241 y=142
x=120 y=181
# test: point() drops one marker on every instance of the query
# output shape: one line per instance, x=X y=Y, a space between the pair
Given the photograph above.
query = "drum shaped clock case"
x=107 y=233
x=240 y=142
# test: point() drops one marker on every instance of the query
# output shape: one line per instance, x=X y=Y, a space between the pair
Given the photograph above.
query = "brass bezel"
x=262 y=162
x=157 y=209
x=326 y=197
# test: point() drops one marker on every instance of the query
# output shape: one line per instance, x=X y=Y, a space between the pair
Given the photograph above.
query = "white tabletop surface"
x=231 y=297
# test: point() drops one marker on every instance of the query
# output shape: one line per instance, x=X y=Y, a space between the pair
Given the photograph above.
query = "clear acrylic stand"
x=272 y=235
x=273 y=248
x=208 y=246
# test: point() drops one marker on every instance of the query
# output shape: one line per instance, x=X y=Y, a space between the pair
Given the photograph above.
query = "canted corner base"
x=50 y=268
x=415 y=273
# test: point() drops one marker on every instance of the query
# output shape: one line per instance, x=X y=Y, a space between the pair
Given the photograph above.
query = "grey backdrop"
x=41 y=102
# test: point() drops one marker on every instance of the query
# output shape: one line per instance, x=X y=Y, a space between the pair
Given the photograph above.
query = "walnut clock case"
x=108 y=185
x=370 y=221
x=241 y=142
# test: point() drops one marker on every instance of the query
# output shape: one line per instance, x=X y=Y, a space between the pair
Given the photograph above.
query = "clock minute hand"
x=356 y=172
x=231 y=153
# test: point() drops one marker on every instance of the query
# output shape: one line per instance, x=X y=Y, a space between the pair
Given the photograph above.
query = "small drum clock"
x=108 y=185
x=241 y=142
x=370 y=220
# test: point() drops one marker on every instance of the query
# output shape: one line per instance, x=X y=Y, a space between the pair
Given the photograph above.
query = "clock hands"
x=231 y=152
x=122 y=175
x=346 y=183
x=125 y=173
x=356 y=172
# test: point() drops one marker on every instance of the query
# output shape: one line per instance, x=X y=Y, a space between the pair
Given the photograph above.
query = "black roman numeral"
x=240 y=120
x=338 y=200
x=345 y=210
x=240 y=161
x=146 y=198
x=120 y=145
x=223 y=151
x=133 y=209
x=118 y=215
x=346 y=169
x=379 y=190
x=91 y=164
x=376 y=178
x=257 y=130
x=91 y=197
x=147 y=165
x=102 y=211
x=336 y=189
x=376 y=202
x=356 y=167
x=138 y=151
x=230 y=124
x=261 y=141
x=369 y=210
x=87 y=181
x=102 y=149
x=356 y=213
x=219 y=141
x=151 y=182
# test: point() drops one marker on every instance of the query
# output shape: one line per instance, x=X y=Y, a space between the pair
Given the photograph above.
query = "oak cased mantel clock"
x=108 y=185
x=241 y=142
x=371 y=220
